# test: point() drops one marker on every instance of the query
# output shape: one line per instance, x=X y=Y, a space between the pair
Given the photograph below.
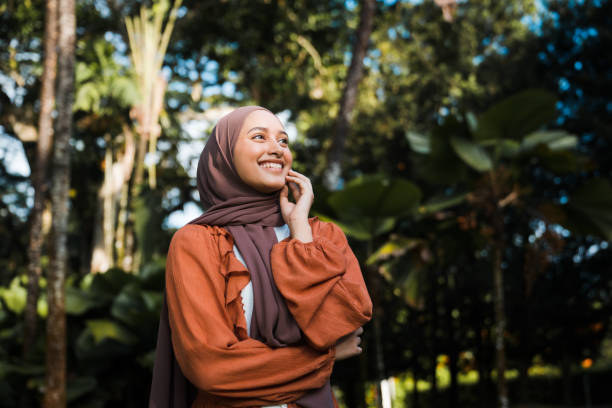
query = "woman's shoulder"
x=199 y=234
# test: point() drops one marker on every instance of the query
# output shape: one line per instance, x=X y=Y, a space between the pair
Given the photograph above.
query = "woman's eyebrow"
x=266 y=129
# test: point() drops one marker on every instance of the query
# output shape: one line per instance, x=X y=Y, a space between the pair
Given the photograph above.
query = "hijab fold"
x=250 y=216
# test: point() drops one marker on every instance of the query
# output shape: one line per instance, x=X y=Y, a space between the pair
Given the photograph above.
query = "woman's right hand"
x=348 y=346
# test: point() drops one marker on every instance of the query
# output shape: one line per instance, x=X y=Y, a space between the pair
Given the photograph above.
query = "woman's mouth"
x=274 y=166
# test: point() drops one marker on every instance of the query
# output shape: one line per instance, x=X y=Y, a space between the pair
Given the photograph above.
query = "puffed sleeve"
x=322 y=284
x=206 y=347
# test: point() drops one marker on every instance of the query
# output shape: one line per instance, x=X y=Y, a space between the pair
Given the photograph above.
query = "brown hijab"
x=250 y=216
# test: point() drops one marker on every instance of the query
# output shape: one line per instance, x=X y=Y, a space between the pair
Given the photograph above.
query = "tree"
x=39 y=172
x=349 y=95
x=55 y=392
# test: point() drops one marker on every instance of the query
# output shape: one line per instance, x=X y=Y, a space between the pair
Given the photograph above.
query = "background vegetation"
x=474 y=143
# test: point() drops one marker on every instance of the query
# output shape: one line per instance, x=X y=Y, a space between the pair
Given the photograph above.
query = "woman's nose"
x=274 y=147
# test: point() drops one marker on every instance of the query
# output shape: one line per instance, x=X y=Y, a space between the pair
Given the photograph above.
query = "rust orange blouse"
x=324 y=289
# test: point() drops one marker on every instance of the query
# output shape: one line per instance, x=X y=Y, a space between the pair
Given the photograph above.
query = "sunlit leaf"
x=418 y=142
x=472 y=154
x=108 y=329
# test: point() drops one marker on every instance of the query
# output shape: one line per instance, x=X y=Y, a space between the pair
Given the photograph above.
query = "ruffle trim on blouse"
x=237 y=277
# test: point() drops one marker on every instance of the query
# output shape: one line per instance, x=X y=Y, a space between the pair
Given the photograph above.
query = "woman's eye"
x=260 y=137
x=284 y=141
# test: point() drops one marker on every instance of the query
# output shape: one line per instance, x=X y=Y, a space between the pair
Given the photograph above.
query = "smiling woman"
x=261 y=154
x=260 y=300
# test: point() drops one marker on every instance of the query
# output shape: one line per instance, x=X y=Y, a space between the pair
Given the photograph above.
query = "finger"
x=284 y=196
x=304 y=185
x=300 y=176
x=295 y=190
x=359 y=331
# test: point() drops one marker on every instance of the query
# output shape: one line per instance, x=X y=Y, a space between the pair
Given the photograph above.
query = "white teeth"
x=271 y=165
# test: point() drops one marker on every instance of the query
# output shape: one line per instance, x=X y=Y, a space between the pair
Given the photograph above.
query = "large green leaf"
x=79 y=301
x=593 y=202
x=79 y=386
x=375 y=197
x=362 y=228
x=517 y=115
x=472 y=154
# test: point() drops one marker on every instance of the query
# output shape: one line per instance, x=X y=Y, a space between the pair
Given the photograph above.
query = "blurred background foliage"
x=476 y=187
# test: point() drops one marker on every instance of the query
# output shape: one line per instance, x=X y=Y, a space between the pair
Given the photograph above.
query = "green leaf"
x=517 y=115
x=394 y=247
x=553 y=139
x=418 y=142
x=79 y=301
x=593 y=201
x=375 y=196
x=108 y=329
x=436 y=204
x=353 y=230
x=79 y=386
x=472 y=154
x=14 y=296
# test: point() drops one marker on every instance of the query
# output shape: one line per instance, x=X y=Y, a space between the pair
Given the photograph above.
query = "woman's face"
x=261 y=154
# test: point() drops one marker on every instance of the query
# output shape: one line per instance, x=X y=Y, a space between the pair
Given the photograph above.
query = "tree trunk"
x=433 y=309
x=55 y=381
x=39 y=172
x=452 y=346
x=349 y=95
x=500 y=326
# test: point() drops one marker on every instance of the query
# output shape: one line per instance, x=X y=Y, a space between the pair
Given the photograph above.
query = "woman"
x=260 y=300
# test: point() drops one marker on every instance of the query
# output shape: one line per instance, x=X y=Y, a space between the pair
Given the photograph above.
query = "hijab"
x=250 y=216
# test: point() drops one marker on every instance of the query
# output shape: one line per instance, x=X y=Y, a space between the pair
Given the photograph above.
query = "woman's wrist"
x=301 y=231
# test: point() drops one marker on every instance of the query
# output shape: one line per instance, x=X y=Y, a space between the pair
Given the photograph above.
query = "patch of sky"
x=181 y=11
x=350 y=4
x=564 y=84
x=587 y=137
x=163 y=145
x=13 y=155
x=560 y=230
x=101 y=7
x=478 y=59
x=563 y=199
x=392 y=33
x=166 y=72
x=603 y=244
x=211 y=90
x=177 y=86
x=193 y=75
x=232 y=75
x=609 y=107
x=173 y=103
x=177 y=219
x=578 y=65
x=228 y=89
x=12 y=90
x=77 y=144
x=583 y=34
x=209 y=77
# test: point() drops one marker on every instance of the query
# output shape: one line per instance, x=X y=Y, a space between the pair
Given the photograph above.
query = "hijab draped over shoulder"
x=250 y=216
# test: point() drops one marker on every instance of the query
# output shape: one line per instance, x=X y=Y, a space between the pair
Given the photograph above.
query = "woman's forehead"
x=261 y=117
